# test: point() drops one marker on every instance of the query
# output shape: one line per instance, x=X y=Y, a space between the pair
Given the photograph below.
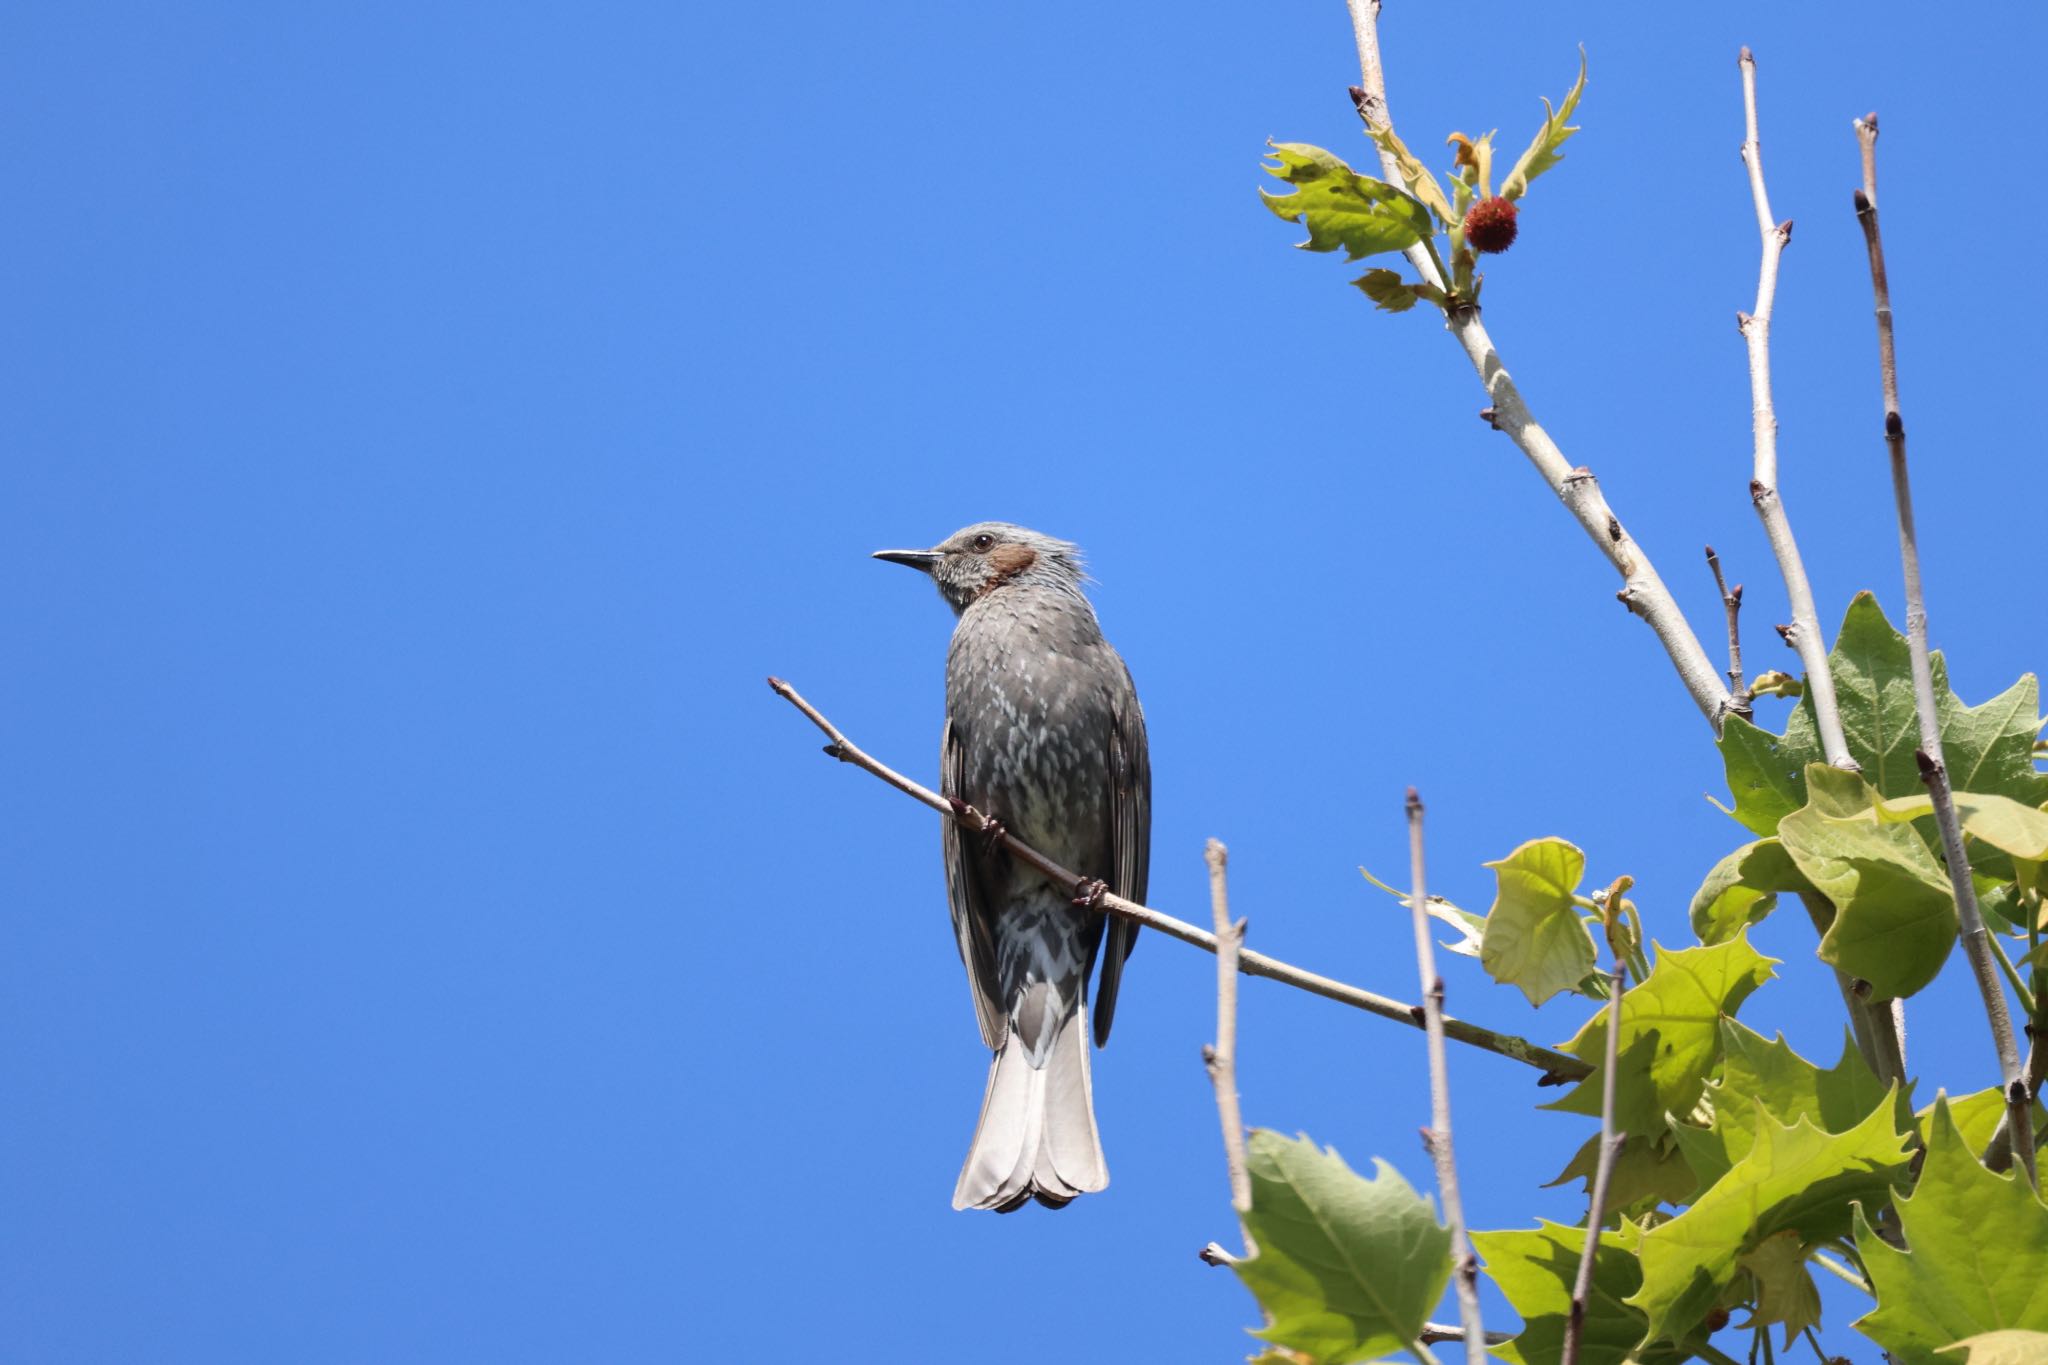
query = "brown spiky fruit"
x=1490 y=225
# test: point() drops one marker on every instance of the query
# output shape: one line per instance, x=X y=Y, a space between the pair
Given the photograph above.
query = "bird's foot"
x=991 y=829
x=1089 y=891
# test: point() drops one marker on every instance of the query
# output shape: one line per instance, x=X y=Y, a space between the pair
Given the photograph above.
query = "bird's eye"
x=983 y=541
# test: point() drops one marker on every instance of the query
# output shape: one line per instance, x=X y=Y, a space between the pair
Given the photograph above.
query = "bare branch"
x=1610 y=1141
x=1434 y=1332
x=2019 y=1105
x=1222 y=1058
x=1558 y=1067
x=1804 y=634
x=1731 y=602
x=1465 y=1266
x=1643 y=591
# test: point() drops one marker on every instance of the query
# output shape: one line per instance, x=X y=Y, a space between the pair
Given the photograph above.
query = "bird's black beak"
x=921 y=560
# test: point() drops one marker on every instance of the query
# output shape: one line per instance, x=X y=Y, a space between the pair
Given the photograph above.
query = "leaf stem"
x=1835 y=1267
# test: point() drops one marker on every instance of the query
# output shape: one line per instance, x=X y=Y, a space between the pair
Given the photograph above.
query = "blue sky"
x=422 y=935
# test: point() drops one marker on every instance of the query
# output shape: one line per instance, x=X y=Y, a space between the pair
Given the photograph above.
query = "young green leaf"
x=1535 y=1269
x=1544 y=152
x=1742 y=888
x=1670 y=1033
x=2000 y=821
x=1795 y=1179
x=1766 y=1077
x=1785 y=1292
x=1388 y=290
x=1767 y=772
x=1347 y=1268
x=1975 y=1242
x=1975 y=1116
x=1895 y=916
x=1421 y=183
x=1534 y=939
x=2009 y=1347
x=1647 y=1171
x=1341 y=208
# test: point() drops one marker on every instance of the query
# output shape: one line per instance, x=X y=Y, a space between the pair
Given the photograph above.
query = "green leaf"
x=1766 y=772
x=2008 y=825
x=1785 y=1292
x=1388 y=290
x=1468 y=925
x=1534 y=939
x=1421 y=183
x=1795 y=1179
x=1976 y=1117
x=1647 y=1172
x=1347 y=1268
x=1670 y=1034
x=1742 y=888
x=1765 y=1077
x=2008 y=1347
x=1535 y=1270
x=1341 y=208
x=1895 y=917
x=1543 y=153
x=1988 y=748
x=1976 y=1244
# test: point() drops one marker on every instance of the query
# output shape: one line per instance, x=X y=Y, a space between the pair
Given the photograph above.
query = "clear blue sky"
x=422 y=936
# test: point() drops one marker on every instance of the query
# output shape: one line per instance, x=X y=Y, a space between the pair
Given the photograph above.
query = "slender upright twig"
x=1804 y=634
x=1643 y=591
x=1731 y=602
x=1221 y=1057
x=1610 y=1141
x=1558 y=1067
x=1438 y=1136
x=2019 y=1111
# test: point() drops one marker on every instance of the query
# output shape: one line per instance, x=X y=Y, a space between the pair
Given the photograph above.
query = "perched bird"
x=1044 y=734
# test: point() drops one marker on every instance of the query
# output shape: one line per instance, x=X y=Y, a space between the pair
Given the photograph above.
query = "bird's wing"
x=965 y=888
x=1130 y=842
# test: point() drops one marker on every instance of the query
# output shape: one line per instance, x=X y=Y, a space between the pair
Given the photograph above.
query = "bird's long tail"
x=1036 y=1138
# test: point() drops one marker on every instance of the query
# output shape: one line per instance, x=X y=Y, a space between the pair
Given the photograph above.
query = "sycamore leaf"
x=1341 y=208
x=1742 y=888
x=1534 y=939
x=1421 y=183
x=2009 y=1347
x=1646 y=1173
x=1544 y=152
x=1976 y=1117
x=1387 y=290
x=1785 y=1291
x=1347 y=1268
x=2007 y=825
x=1670 y=1033
x=1895 y=915
x=1988 y=748
x=1975 y=1242
x=1795 y=1179
x=1535 y=1269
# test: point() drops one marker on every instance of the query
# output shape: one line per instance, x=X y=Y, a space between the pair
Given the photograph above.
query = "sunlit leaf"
x=1545 y=151
x=1534 y=938
x=1340 y=208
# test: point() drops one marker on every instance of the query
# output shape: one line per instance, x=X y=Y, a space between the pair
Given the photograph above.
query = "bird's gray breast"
x=1029 y=684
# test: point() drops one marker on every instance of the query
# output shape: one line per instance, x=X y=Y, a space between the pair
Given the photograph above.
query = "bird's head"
x=989 y=555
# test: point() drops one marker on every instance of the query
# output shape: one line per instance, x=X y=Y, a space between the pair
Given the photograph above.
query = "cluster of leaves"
x=1743 y=1165
x=1364 y=216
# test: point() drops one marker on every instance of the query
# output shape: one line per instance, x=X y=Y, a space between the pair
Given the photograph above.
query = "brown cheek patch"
x=1007 y=561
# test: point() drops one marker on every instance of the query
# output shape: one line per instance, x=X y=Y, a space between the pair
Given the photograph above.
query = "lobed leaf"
x=1347 y=1268
x=1534 y=939
x=1341 y=208
x=1742 y=888
x=1975 y=1241
x=1544 y=152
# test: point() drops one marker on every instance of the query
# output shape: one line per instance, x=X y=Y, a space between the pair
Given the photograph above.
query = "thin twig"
x=1731 y=602
x=1558 y=1067
x=2019 y=1106
x=1643 y=591
x=1804 y=634
x=1438 y=1138
x=1610 y=1141
x=1434 y=1332
x=1222 y=1056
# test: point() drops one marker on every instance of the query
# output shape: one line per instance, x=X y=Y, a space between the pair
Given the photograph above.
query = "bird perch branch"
x=1221 y=1058
x=2019 y=1103
x=1557 y=1066
x=1643 y=591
